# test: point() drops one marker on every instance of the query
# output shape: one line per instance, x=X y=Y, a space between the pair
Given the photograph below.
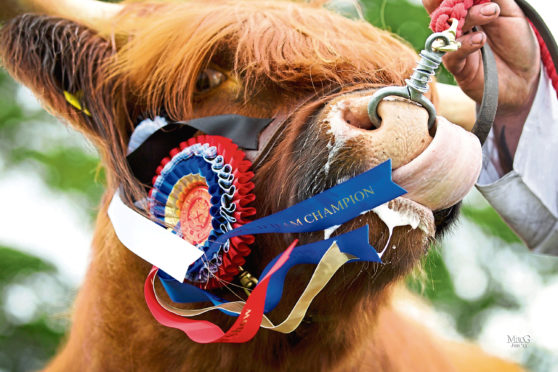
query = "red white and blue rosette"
x=201 y=191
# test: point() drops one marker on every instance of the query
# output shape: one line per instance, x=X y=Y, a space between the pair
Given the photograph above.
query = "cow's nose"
x=401 y=136
x=355 y=113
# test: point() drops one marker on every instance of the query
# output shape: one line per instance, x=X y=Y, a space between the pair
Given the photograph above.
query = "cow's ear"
x=63 y=63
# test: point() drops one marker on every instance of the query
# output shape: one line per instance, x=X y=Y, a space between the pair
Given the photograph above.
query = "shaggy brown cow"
x=315 y=71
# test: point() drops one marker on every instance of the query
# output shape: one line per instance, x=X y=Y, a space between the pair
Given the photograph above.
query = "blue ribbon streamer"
x=334 y=206
x=354 y=242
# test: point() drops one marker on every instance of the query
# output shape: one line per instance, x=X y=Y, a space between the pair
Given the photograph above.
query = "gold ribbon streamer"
x=331 y=261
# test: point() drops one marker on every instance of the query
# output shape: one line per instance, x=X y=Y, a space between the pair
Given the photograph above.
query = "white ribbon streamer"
x=150 y=241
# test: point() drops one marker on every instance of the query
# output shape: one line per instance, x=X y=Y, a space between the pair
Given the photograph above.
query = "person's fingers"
x=509 y=8
x=456 y=62
x=480 y=15
x=431 y=5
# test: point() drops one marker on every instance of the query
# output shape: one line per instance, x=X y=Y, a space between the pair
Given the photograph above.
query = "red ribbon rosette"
x=202 y=190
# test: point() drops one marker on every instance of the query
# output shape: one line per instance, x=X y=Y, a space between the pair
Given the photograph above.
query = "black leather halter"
x=242 y=130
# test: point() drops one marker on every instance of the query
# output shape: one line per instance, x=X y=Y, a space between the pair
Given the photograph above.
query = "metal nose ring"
x=436 y=46
x=404 y=92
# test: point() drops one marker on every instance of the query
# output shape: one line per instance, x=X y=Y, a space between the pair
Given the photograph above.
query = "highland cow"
x=313 y=71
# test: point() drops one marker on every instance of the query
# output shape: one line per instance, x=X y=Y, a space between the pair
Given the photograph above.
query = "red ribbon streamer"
x=205 y=332
x=547 y=59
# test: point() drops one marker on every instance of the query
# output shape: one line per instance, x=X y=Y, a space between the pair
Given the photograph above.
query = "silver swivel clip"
x=436 y=46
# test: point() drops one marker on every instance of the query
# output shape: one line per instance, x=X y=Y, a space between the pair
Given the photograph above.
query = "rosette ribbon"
x=203 y=190
x=332 y=207
x=208 y=170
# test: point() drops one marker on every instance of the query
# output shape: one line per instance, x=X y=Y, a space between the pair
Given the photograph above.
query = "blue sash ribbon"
x=331 y=207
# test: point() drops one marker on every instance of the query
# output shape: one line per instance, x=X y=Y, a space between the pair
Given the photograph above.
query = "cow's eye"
x=208 y=80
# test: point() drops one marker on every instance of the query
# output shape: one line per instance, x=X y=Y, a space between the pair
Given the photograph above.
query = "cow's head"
x=310 y=67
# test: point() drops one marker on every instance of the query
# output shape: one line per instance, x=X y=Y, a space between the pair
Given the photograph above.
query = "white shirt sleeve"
x=527 y=197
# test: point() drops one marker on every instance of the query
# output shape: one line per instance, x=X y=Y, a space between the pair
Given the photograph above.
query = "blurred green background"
x=483 y=283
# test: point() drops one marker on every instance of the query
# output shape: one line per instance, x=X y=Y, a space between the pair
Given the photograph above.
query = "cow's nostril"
x=356 y=114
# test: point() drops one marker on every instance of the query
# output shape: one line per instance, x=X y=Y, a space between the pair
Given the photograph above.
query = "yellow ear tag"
x=74 y=101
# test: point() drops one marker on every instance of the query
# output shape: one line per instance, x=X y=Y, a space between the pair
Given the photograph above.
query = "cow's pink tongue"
x=444 y=173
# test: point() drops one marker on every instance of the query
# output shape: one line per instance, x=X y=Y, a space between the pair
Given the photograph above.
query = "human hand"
x=504 y=26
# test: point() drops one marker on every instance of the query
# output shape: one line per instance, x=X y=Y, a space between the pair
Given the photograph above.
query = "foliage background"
x=483 y=283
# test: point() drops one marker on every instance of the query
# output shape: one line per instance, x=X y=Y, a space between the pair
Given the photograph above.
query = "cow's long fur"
x=277 y=54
